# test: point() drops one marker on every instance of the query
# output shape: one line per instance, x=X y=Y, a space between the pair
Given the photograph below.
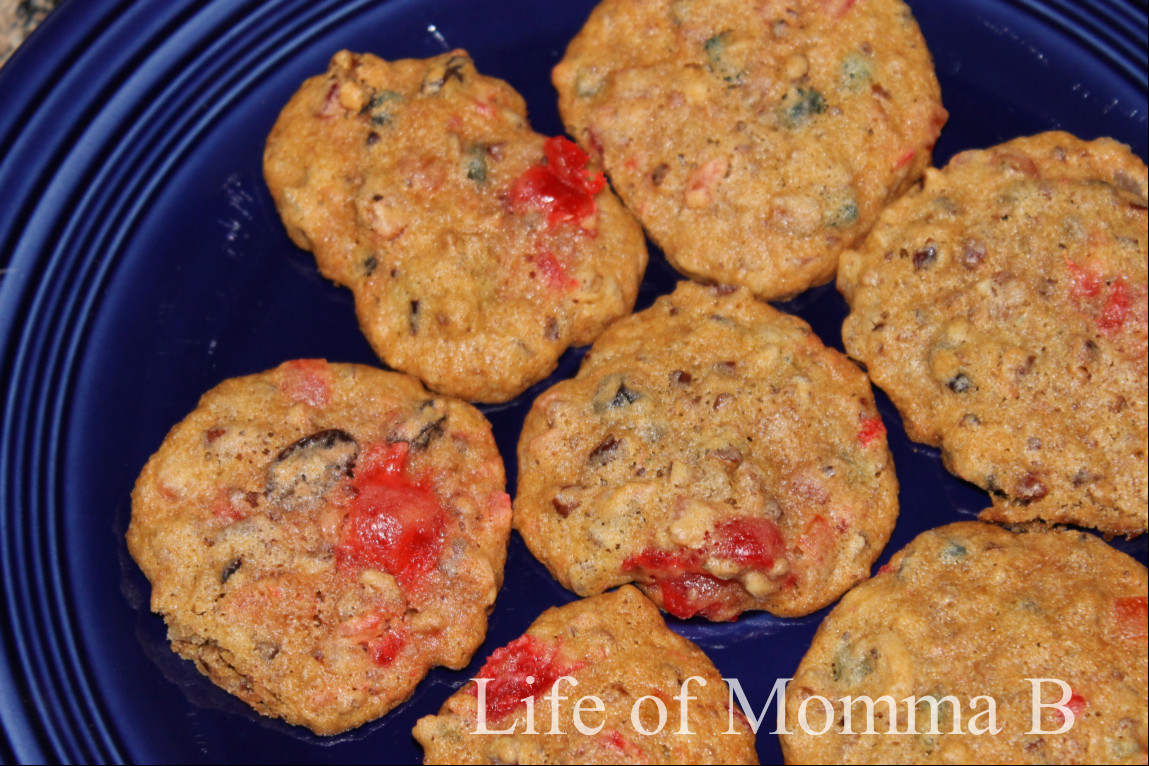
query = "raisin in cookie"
x=712 y=450
x=959 y=622
x=628 y=689
x=1002 y=307
x=476 y=249
x=319 y=536
x=755 y=141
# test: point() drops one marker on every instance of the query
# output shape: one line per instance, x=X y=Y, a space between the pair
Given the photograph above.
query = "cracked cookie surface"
x=714 y=452
x=477 y=250
x=319 y=536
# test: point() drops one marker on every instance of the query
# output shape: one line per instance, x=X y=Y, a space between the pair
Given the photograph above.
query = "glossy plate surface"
x=144 y=263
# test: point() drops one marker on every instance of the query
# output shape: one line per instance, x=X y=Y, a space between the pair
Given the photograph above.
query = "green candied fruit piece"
x=934 y=712
x=799 y=106
x=1123 y=747
x=477 y=163
x=849 y=667
x=857 y=71
x=953 y=552
x=716 y=50
x=842 y=216
x=1029 y=605
x=588 y=84
x=376 y=107
x=715 y=46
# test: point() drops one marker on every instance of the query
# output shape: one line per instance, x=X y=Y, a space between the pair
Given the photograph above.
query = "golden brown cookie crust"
x=272 y=526
x=755 y=141
x=401 y=178
x=712 y=450
x=972 y=609
x=618 y=649
x=1003 y=309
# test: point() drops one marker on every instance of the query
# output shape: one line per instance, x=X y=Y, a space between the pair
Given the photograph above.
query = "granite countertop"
x=17 y=20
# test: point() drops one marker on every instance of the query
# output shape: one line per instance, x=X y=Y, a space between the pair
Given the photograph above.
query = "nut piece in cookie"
x=321 y=535
x=971 y=618
x=477 y=250
x=1002 y=307
x=755 y=141
x=713 y=451
x=597 y=675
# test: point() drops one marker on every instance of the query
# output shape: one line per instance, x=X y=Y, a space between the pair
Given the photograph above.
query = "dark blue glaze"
x=144 y=263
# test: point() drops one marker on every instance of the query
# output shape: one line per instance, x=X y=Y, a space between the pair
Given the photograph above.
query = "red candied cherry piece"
x=509 y=668
x=394 y=524
x=562 y=189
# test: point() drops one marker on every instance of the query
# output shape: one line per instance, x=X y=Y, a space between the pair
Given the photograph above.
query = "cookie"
x=476 y=249
x=1002 y=307
x=629 y=689
x=755 y=141
x=713 y=451
x=319 y=536
x=970 y=618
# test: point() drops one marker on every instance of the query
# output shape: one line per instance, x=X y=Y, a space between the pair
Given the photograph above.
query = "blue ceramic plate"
x=144 y=263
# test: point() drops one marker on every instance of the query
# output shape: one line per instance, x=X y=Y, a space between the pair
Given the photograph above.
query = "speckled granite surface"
x=17 y=20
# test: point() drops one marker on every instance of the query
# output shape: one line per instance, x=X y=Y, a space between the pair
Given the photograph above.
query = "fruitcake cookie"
x=755 y=141
x=477 y=250
x=319 y=536
x=960 y=621
x=1003 y=308
x=628 y=689
x=712 y=450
